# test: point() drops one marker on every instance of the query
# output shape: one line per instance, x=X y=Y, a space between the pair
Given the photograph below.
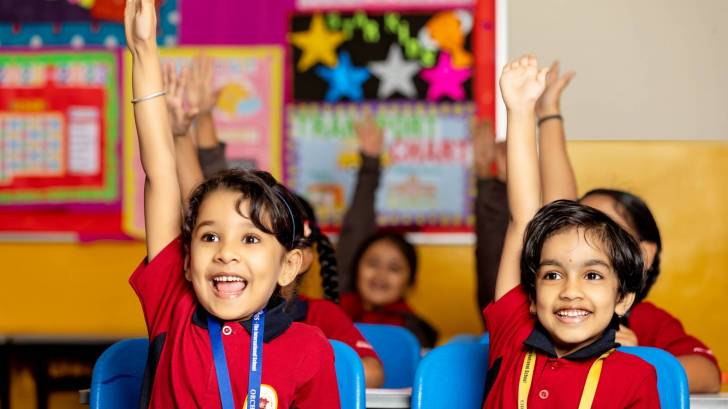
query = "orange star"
x=318 y=44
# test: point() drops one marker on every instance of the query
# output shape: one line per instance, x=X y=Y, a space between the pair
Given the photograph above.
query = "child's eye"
x=551 y=275
x=593 y=275
x=250 y=239
x=209 y=237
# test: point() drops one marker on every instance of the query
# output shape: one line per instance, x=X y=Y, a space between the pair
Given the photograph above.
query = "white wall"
x=646 y=69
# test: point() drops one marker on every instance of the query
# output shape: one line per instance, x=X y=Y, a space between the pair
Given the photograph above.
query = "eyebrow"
x=588 y=263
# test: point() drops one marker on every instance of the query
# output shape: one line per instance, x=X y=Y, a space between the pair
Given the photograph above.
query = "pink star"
x=445 y=80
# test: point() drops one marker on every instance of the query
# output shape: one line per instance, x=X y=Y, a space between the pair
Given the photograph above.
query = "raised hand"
x=370 y=135
x=200 y=91
x=522 y=83
x=140 y=25
x=180 y=114
x=550 y=101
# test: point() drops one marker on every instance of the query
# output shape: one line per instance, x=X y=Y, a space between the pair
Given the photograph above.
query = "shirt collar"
x=541 y=341
x=297 y=309
x=276 y=319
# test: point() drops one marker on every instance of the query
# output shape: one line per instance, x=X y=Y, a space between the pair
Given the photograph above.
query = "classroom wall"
x=82 y=288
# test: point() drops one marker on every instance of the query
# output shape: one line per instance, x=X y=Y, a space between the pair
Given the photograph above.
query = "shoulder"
x=306 y=336
x=648 y=309
x=630 y=366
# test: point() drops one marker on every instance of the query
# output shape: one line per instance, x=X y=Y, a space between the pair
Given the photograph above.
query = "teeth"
x=572 y=313
x=227 y=278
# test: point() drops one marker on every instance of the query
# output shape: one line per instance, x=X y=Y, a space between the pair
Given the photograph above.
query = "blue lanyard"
x=256 y=361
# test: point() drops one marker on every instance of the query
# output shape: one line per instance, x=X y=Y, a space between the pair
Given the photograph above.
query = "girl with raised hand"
x=378 y=267
x=210 y=287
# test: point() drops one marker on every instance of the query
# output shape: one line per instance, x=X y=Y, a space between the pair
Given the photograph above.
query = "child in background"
x=192 y=96
x=211 y=297
x=377 y=267
x=566 y=273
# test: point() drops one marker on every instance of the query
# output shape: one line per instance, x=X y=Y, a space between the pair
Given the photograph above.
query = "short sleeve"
x=320 y=390
x=508 y=321
x=161 y=286
x=335 y=324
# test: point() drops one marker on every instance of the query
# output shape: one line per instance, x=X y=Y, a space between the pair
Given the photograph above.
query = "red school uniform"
x=655 y=327
x=333 y=322
x=626 y=381
x=298 y=362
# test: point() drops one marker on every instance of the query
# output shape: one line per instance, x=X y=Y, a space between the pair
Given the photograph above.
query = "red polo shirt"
x=626 y=381
x=333 y=322
x=298 y=361
x=655 y=327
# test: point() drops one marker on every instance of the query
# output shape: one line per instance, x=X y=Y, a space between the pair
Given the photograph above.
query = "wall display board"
x=426 y=182
x=76 y=23
x=247 y=116
x=58 y=138
x=381 y=4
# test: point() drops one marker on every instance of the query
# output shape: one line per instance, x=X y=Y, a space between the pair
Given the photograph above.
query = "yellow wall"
x=83 y=289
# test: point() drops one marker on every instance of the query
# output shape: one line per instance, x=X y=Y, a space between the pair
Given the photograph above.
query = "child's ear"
x=187 y=267
x=649 y=250
x=292 y=262
x=624 y=304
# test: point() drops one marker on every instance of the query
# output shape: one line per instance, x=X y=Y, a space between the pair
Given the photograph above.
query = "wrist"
x=549 y=111
x=519 y=113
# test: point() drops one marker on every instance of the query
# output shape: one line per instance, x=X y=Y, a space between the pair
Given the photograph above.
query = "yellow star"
x=317 y=44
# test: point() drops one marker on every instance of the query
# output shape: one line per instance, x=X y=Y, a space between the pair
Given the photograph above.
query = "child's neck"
x=563 y=350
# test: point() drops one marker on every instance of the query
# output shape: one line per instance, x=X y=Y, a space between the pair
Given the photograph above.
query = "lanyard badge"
x=220 y=361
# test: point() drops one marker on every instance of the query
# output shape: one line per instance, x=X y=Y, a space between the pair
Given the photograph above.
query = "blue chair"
x=349 y=376
x=672 y=382
x=117 y=377
x=398 y=349
x=470 y=338
x=451 y=376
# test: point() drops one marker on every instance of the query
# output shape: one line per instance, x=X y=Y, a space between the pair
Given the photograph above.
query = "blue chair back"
x=451 y=376
x=349 y=376
x=672 y=382
x=398 y=349
x=469 y=338
x=116 y=381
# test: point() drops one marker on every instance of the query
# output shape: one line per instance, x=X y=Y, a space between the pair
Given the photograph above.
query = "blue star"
x=345 y=80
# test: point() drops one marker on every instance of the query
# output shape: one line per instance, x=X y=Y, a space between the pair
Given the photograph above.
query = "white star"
x=395 y=74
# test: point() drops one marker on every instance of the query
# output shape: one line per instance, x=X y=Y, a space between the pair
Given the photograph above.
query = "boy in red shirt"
x=567 y=273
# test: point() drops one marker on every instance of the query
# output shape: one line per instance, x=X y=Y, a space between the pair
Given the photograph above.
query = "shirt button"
x=227 y=330
x=543 y=394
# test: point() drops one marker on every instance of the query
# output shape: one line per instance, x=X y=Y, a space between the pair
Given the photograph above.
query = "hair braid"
x=327 y=262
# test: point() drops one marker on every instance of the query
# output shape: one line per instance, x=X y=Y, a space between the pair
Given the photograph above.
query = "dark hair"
x=269 y=200
x=404 y=247
x=640 y=219
x=326 y=255
x=621 y=248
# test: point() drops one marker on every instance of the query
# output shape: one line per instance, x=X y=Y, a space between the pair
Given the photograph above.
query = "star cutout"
x=445 y=80
x=345 y=80
x=318 y=44
x=395 y=74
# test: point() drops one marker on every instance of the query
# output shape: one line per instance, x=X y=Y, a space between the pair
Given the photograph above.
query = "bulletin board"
x=426 y=184
x=247 y=116
x=58 y=138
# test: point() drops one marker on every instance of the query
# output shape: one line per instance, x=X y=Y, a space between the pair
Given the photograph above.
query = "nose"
x=571 y=288
x=227 y=252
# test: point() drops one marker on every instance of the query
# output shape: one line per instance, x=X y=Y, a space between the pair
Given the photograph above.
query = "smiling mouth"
x=228 y=285
x=572 y=316
x=378 y=285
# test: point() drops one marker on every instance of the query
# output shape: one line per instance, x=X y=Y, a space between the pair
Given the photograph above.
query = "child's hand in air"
x=140 y=25
x=200 y=91
x=626 y=337
x=549 y=102
x=370 y=135
x=180 y=115
x=521 y=83
x=483 y=147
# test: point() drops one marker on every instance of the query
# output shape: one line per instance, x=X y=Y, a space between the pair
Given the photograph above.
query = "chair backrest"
x=117 y=377
x=451 y=376
x=672 y=382
x=349 y=376
x=468 y=338
x=398 y=349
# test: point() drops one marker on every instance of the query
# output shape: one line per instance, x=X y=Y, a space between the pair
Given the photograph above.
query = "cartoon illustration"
x=447 y=31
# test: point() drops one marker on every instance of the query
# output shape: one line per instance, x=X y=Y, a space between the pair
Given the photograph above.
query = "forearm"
x=206 y=132
x=491 y=222
x=359 y=221
x=703 y=375
x=557 y=175
x=189 y=173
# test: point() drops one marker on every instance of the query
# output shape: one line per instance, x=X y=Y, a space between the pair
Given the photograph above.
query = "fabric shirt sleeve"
x=335 y=324
x=508 y=321
x=212 y=160
x=656 y=327
x=320 y=391
x=160 y=285
x=491 y=221
x=359 y=221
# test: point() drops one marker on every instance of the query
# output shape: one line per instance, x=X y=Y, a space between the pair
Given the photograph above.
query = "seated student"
x=567 y=272
x=377 y=266
x=191 y=97
x=210 y=289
